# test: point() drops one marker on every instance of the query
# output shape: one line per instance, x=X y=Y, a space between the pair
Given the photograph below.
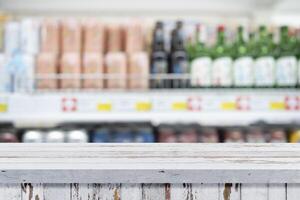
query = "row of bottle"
x=256 y=62
x=164 y=133
x=70 y=54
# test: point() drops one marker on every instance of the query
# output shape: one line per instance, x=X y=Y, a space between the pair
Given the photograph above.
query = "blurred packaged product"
x=8 y=137
x=201 y=63
x=12 y=38
x=159 y=57
x=144 y=134
x=55 y=136
x=179 y=57
x=166 y=134
x=134 y=37
x=32 y=137
x=123 y=134
x=286 y=65
x=102 y=135
x=70 y=66
x=295 y=136
x=243 y=74
x=93 y=64
x=50 y=36
x=94 y=36
x=138 y=70
x=116 y=67
x=77 y=136
x=23 y=66
x=187 y=134
x=47 y=65
x=71 y=36
x=255 y=135
x=234 y=135
x=3 y=19
x=209 y=135
x=264 y=67
x=115 y=38
x=6 y=74
x=278 y=136
x=30 y=36
x=222 y=64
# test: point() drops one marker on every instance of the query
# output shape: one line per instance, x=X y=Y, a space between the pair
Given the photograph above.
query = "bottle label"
x=264 y=71
x=159 y=67
x=222 y=72
x=243 y=72
x=201 y=72
x=286 y=71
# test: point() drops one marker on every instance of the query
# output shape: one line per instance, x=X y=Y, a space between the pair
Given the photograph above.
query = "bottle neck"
x=221 y=38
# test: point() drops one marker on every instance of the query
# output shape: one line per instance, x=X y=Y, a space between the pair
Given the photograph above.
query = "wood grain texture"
x=32 y=191
x=277 y=191
x=155 y=192
x=131 y=192
x=255 y=191
x=293 y=191
x=10 y=191
x=230 y=191
x=57 y=191
x=150 y=163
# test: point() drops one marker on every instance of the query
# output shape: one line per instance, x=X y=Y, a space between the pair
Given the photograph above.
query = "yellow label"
x=143 y=106
x=104 y=107
x=277 y=106
x=295 y=137
x=179 y=106
x=228 y=106
x=3 y=107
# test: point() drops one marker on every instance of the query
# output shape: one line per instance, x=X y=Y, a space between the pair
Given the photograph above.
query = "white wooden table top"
x=150 y=163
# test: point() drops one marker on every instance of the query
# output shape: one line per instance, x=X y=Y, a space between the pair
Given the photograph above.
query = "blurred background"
x=149 y=71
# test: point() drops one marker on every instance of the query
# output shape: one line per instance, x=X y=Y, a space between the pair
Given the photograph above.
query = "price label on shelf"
x=3 y=107
x=143 y=106
x=69 y=104
x=104 y=107
x=194 y=103
x=292 y=103
x=277 y=105
x=228 y=106
x=179 y=106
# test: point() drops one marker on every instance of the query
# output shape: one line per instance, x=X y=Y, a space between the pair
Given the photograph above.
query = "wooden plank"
x=277 y=192
x=10 y=191
x=155 y=192
x=293 y=191
x=205 y=191
x=150 y=163
x=32 y=191
x=57 y=191
x=230 y=191
x=181 y=191
x=131 y=192
x=255 y=191
x=109 y=192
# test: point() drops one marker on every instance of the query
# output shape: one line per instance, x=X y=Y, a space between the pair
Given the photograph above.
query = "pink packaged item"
x=71 y=66
x=94 y=37
x=116 y=66
x=47 y=64
x=71 y=36
x=138 y=70
x=93 y=65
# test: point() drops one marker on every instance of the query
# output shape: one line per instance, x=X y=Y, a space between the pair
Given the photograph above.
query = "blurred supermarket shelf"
x=204 y=106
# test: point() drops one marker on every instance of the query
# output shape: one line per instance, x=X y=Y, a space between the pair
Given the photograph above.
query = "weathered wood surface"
x=149 y=191
x=150 y=163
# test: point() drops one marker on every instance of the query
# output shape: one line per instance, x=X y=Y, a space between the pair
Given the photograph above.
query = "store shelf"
x=207 y=107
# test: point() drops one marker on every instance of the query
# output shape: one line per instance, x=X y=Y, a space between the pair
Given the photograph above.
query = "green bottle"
x=202 y=63
x=222 y=64
x=243 y=75
x=264 y=66
x=286 y=64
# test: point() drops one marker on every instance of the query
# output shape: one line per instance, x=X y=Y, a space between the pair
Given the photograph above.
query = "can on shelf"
x=8 y=137
x=55 y=136
x=32 y=137
x=102 y=135
x=77 y=136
